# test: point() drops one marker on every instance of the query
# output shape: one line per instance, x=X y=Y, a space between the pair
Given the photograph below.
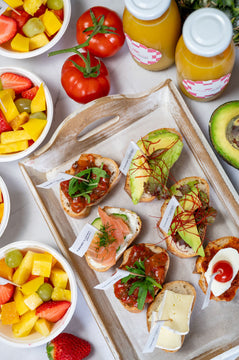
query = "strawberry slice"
x=4 y=126
x=8 y=28
x=21 y=17
x=6 y=292
x=16 y=82
x=53 y=310
x=59 y=13
x=40 y=11
x=30 y=94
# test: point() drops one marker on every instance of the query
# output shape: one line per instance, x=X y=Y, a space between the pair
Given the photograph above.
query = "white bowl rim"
x=25 y=244
x=37 y=81
x=7 y=206
x=43 y=49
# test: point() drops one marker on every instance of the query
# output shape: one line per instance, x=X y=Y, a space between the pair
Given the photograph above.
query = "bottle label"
x=206 y=89
x=141 y=53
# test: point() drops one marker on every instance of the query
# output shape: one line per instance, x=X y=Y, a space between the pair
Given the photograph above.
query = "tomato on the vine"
x=109 y=37
x=85 y=78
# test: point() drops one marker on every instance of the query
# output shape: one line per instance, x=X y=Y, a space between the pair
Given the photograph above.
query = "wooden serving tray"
x=106 y=126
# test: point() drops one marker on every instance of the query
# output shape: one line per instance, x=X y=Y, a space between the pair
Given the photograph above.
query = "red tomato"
x=80 y=88
x=102 y=44
x=224 y=270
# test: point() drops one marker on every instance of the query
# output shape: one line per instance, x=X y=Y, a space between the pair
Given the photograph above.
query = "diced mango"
x=42 y=265
x=8 y=107
x=59 y=294
x=32 y=286
x=1 y=196
x=14 y=136
x=5 y=271
x=33 y=301
x=43 y=327
x=31 y=6
x=20 y=43
x=9 y=91
x=38 y=41
x=19 y=120
x=39 y=101
x=59 y=278
x=24 y=270
x=9 y=314
x=51 y=22
x=34 y=127
x=25 y=325
x=14 y=3
x=13 y=147
x=22 y=308
x=1 y=210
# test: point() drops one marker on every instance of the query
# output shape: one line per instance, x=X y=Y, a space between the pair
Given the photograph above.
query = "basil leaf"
x=142 y=297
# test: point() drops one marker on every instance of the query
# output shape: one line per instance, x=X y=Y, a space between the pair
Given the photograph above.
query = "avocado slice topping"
x=149 y=169
x=224 y=132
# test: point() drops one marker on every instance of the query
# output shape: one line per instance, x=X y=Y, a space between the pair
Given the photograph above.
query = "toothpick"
x=3 y=105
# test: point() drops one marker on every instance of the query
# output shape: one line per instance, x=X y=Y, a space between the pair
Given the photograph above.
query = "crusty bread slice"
x=114 y=178
x=157 y=250
x=180 y=287
x=202 y=265
x=147 y=197
x=134 y=222
x=183 y=250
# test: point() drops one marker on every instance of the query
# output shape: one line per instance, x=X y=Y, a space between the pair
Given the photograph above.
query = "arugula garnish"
x=144 y=283
x=85 y=187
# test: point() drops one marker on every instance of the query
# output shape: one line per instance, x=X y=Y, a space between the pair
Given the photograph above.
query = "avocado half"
x=224 y=132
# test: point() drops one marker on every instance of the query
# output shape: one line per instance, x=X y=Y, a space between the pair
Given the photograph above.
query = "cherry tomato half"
x=103 y=44
x=224 y=270
x=84 y=89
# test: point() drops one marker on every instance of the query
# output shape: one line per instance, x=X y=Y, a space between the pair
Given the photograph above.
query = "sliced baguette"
x=202 y=265
x=157 y=250
x=183 y=250
x=114 y=178
x=134 y=222
x=180 y=287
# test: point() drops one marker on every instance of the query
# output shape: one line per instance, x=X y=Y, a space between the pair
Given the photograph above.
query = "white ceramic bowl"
x=6 y=212
x=36 y=81
x=57 y=37
x=36 y=339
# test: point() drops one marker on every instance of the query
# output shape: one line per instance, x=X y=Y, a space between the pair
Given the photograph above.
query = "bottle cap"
x=147 y=9
x=207 y=32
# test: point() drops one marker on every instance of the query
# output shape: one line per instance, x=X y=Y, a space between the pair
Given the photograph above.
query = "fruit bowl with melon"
x=32 y=27
x=42 y=302
x=4 y=206
x=26 y=112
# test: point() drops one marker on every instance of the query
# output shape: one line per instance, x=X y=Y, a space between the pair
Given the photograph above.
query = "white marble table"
x=26 y=221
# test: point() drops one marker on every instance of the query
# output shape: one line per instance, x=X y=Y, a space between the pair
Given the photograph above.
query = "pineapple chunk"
x=59 y=278
x=8 y=107
x=19 y=301
x=13 y=147
x=43 y=327
x=14 y=136
x=23 y=272
x=31 y=286
x=9 y=314
x=59 y=294
x=42 y=265
x=31 y=6
x=19 y=120
x=39 y=101
x=5 y=271
x=38 y=41
x=33 y=301
x=9 y=91
x=14 y=3
x=25 y=325
x=1 y=210
x=20 y=43
x=34 y=127
x=51 y=22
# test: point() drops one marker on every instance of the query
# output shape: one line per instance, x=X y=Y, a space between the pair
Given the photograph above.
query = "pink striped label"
x=205 y=89
x=141 y=53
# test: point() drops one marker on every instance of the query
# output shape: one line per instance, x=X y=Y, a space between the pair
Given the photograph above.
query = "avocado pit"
x=232 y=132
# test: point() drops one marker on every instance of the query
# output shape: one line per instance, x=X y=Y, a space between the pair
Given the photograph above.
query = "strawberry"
x=16 y=82
x=6 y=292
x=40 y=11
x=4 y=126
x=68 y=347
x=59 y=14
x=53 y=310
x=21 y=17
x=30 y=93
x=8 y=28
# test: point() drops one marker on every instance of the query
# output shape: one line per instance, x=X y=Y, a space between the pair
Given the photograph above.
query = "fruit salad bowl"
x=26 y=38
x=25 y=107
x=4 y=206
x=44 y=315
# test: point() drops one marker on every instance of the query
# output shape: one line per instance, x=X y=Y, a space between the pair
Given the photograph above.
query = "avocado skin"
x=218 y=123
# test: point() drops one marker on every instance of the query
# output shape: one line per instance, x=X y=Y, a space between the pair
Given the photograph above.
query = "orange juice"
x=152 y=29
x=205 y=55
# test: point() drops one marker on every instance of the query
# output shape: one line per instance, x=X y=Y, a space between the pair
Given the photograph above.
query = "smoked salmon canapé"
x=117 y=228
x=93 y=177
